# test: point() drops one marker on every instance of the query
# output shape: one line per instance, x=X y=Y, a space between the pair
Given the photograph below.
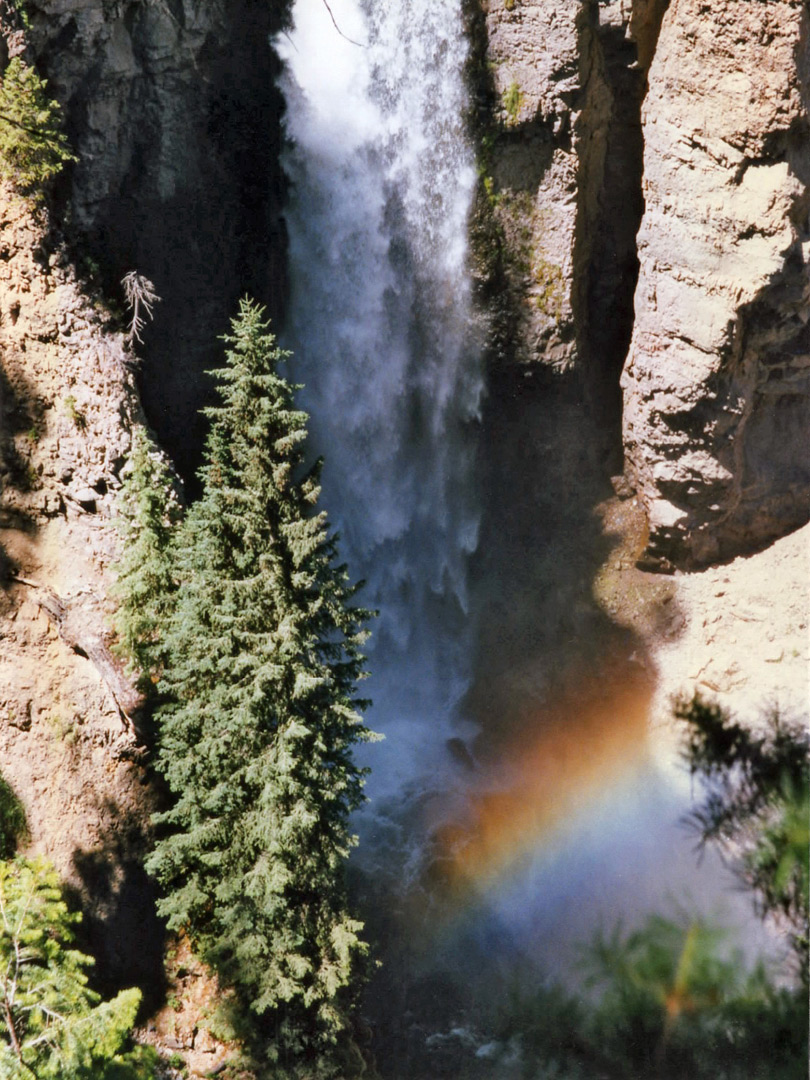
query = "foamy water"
x=380 y=322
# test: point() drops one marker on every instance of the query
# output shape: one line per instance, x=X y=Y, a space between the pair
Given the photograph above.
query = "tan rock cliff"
x=670 y=241
x=171 y=110
x=716 y=385
x=67 y=743
x=564 y=184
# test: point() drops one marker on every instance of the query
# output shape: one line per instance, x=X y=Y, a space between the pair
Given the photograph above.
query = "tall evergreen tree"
x=148 y=515
x=257 y=737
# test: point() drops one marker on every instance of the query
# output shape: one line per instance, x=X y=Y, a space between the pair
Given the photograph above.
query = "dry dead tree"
x=139 y=293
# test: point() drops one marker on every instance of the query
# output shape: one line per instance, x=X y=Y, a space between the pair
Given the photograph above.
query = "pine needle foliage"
x=666 y=1000
x=676 y=1002
x=13 y=826
x=52 y=1025
x=33 y=146
x=756 y=806
x=148 y=515
x=262 y=717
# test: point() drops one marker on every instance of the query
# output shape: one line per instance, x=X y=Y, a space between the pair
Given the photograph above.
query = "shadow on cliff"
x=21 y=413
x=541 y=637
x=192 y=189
x=120 y=925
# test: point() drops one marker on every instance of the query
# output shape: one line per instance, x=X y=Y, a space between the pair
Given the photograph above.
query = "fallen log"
x=80 y=624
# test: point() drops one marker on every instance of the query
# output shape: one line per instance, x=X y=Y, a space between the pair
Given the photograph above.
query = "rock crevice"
x=174 y=115
x=647 y=172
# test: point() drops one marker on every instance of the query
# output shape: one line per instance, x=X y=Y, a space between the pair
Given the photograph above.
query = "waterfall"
x=380 y=323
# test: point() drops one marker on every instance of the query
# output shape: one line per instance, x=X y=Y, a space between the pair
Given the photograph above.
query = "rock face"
x=564 y=163
x=67 y=746
x=646 y=167
x=716 y=418
x=172 y=110
x=530 y=62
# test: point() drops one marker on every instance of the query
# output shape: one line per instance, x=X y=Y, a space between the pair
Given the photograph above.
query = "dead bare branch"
x=139 y=292
x=351 y=41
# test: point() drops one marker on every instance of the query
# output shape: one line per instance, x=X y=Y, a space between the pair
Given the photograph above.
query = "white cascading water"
x=380 y=324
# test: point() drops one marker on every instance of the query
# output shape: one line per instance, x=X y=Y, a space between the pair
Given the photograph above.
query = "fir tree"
x=33 y=147
x=257 y=737
x=148 y=514
x=52 y=1025
x=756 y=806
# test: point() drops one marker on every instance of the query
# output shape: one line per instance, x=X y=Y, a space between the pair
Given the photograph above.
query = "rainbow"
x=542 y=782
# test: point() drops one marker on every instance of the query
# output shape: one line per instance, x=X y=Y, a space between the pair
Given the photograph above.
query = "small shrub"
x=512 y=102
x=74 y=413
x=20 y=7
x=30 y=479
x=53 y=1026
x=551 y=284
x=33 y=147
x=13 y=827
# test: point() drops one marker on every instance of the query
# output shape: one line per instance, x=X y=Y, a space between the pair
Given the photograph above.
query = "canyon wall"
x=563 y=158
x=646 y=172
x=68 y=744
x=173 y=115
x=172 y=110
x=716 y=385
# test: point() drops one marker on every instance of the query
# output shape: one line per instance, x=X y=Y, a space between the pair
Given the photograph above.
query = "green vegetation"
x=484 y=169
x=259 y=723
x=13 y=827
x=550 y=282
x=52 y=1025
x=33 y=147
x=512 y=102
x=149 y=513
x=21 y=8
x=62 y=729
x=74 y=413
x=756 y=807
x=671 y=1003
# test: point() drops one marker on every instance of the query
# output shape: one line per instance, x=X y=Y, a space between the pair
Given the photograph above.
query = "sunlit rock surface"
x=716 y=418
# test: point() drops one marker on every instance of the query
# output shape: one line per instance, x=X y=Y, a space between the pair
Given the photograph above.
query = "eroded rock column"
x=716 y=417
